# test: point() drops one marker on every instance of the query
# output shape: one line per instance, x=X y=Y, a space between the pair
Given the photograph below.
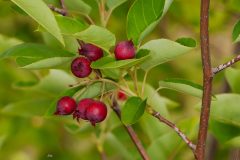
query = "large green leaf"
x=112 y=4
x=37 y=56
x=98 y=36
x=233 y=79
x=40 y=12
x=69 y=25
x=161 y=51
x=236 y=32
x=144 y=16
x=110 y=63
x=184 y=86
x=133 y=110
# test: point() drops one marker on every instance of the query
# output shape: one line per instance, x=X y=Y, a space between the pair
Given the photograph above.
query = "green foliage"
x=37 y=56
x=112 y=4
x=40 y=12
x=133 y=110
x=236 y=32
x=163 y=50
x=78 y=6
x=233 y=78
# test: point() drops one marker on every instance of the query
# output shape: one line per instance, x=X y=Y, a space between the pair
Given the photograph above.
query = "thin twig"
x=207 y=81
x=131 y=132
x=173 y=126
x=58 y=10
x=226 y=65
x=144 y=82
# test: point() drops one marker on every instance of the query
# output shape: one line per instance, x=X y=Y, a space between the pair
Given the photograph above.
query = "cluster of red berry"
x=89 y=109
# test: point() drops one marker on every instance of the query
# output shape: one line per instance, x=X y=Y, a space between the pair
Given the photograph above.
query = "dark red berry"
x=96 y=112
x=124 y=50
x=82 y=106
x=91 y=51
x=81 y=67
x=65 y=106
x=122 y=96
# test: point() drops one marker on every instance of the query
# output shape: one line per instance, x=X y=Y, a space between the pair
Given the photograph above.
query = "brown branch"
x=58 y=10
x=173 y=126
x=207 y=80
x=226 y=65
x=131 y=132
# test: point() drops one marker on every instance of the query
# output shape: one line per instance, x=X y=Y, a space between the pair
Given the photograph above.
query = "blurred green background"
x=25 y=134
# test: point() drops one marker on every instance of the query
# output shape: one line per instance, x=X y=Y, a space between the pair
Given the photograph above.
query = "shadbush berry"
x=80 y=67
x=124 y=50
x=121 y=96
x=96 y=112
x=65 y=106
x=91 y=51
x=82 y=106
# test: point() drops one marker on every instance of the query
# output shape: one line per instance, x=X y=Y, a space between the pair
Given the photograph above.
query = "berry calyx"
x=124 y=50
x=91 y=51
x=65 y=106
x=96 y=112
x=121 y=96
x=80 y=67
x=82 y=106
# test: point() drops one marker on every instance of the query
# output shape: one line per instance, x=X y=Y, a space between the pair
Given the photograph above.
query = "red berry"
x=65 y=106
x=124 y=50
x=81 y=67
x=122 y=96
x=80 y=111
x=92 y=52
x=96 y=112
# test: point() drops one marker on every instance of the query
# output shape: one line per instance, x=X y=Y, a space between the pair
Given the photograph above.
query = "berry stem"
x=144 y=82
x=131 y=132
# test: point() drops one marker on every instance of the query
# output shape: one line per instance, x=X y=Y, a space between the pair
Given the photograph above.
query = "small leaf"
x=236 y=32
x=7 y=42
x=69 y=25
x=98 y=36
x=142 y=18
x=112 y=4
x=233 y=78
x=183 y=86
x=133 y=110
x=78 y=6
x=161 y=51
x=110 y=63
x=37 y=56
x=188 y=42
x=40 y=12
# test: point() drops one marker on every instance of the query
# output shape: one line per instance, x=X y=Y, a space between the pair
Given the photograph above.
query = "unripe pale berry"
x=65 y=106
x=124 y=50
x=96 y=112
x=82 y=106
x=80 y=67
x=91 y=51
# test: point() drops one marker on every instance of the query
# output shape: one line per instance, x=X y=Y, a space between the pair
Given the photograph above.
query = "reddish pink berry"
x=96 y=112
x=124 y=50
x=81 y=67
x=91 y=51
x=65 y=106
x=82 y=106
x=122 y=96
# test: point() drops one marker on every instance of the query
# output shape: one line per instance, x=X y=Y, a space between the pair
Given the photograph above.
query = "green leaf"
x=7 y=42
x=68 y=92
x=233 y=78
x=184 y=86
x=37 y=56
x=93 y=90
x=98 y=36
x=189 y=42
x=236 y=32
x=112 y=4
x=133 y=110
x=111 y=63
x=78 y=6
x=226 y=109
x=161 y=51
x=40 y=12
x=143 y=17
x=69 y=25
